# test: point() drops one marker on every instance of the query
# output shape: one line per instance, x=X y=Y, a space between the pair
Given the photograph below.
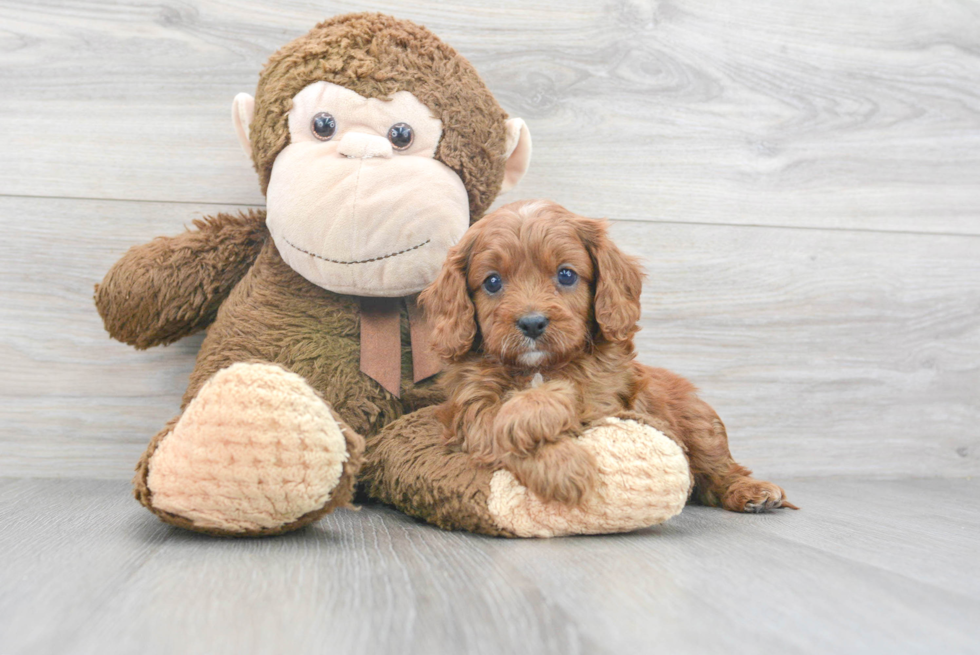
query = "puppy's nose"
x=532 y=325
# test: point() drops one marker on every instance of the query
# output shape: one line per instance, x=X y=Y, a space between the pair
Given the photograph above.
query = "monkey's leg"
x=644 y=479
x=256 y=452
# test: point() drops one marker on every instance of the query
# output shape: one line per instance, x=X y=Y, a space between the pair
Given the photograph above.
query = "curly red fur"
x=448 y=301
x=519 y=401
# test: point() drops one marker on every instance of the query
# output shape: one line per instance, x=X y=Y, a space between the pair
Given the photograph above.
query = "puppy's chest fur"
x=605 y=381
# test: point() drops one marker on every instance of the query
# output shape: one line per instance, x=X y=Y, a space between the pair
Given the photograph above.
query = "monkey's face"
x=357 y=202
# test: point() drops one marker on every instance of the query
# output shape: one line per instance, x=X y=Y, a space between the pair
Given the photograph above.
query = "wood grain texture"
x=839 y=348
x=825 y=351
x=863 y=567
x=832 y=114
x=802 y=181
x=841 y=352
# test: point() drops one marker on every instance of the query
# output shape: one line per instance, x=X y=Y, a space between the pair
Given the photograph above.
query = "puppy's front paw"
x=563 y=472
x=532 y=417
x=755 y=496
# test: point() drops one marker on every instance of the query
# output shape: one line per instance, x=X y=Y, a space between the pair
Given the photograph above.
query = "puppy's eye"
x=567 y=277
x=323 y=126
x=493 y=283
x=401 y=136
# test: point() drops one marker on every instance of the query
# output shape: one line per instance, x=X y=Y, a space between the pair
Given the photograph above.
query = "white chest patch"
x=532 y=358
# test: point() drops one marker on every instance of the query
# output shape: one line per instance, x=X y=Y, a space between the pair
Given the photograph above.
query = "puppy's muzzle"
x=533 y=325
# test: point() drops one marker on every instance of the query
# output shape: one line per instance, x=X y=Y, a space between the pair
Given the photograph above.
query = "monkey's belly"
x=275 y=315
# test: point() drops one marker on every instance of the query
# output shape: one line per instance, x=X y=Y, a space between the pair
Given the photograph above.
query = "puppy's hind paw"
x=755 y=497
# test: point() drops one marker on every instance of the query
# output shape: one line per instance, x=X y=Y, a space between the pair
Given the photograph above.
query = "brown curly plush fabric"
x=227 y=275
x=172 y=287
x=645 y=480
x=376 y=55
x=409 y=465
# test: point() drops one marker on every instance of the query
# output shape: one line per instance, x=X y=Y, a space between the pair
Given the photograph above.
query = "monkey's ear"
x=242 y=111
x=518 y=153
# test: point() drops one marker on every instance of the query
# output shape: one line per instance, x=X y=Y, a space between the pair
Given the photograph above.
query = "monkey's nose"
x=532 y=325
x=357 y=145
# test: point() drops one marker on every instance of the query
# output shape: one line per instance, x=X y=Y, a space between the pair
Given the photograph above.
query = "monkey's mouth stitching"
x=357 y=261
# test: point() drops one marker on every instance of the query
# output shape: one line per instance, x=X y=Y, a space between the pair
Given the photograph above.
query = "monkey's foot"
x=644 y=479
x=256 y=452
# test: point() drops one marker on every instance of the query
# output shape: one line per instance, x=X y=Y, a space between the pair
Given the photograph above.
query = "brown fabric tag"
x=381 y=343
x=425 y=362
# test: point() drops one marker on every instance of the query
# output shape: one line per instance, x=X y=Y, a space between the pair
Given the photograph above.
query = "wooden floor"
x=885 y=566
x=802 y=182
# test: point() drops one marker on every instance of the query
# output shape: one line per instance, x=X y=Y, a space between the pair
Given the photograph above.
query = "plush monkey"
x=376 y=146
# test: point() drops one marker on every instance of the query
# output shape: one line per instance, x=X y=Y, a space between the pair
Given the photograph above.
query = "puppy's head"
x=533 y=284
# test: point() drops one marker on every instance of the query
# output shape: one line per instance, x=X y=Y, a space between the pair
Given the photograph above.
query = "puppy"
x=534 y=311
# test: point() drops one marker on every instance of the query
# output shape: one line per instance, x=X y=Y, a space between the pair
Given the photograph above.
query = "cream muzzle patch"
x=354 y=213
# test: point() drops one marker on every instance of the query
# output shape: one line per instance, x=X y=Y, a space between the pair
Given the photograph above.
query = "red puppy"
x=535 y=310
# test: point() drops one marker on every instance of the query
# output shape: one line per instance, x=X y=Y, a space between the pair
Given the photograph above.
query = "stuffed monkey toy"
x=376 y=146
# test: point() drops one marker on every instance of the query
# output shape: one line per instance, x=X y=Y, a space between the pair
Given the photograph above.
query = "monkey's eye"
x=323 y=125
x=493 y=283
x=401 y=136
x=567 y=277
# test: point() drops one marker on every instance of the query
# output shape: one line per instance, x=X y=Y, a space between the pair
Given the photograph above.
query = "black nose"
x=532 y=325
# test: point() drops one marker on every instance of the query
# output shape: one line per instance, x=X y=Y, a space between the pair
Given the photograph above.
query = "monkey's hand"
x=541 y=414
x=172 y=286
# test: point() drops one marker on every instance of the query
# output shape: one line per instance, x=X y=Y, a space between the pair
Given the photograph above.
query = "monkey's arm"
x=171 y=287
x=643 y=476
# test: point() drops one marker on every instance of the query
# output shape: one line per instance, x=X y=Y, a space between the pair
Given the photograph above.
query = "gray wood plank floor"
x=886 y=566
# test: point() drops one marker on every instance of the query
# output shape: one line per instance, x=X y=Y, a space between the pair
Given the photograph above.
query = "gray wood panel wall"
x=802 y=179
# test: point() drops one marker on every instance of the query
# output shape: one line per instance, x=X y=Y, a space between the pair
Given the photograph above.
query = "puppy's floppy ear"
x=618 y=282
x=447 y=303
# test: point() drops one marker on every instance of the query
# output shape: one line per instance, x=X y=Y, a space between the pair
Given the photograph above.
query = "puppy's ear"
x=448 y=306
x=618 y=282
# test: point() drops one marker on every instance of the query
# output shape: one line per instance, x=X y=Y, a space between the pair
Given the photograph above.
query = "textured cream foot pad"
x=644 y=480
x=255 y=449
